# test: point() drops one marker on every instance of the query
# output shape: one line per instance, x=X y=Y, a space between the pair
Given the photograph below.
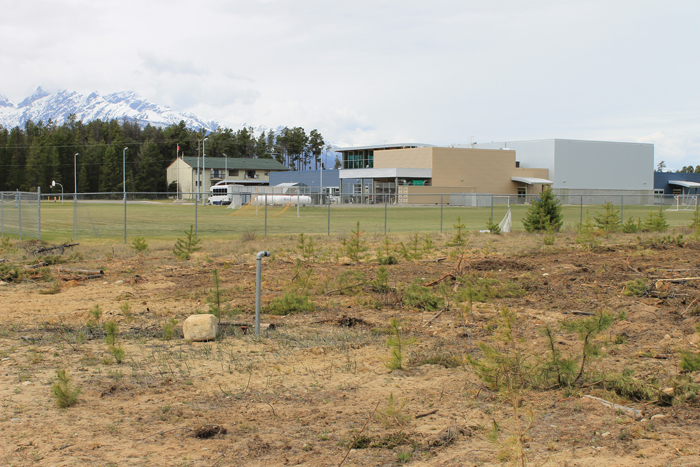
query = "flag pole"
x=177 y=161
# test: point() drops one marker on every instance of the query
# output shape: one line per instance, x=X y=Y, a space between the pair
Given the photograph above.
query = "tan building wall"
x=186 y=176
x=463 y=169
x=430 y=194
x=413 y=158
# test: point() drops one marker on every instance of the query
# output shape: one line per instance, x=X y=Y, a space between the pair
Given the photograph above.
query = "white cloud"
x=368 y=71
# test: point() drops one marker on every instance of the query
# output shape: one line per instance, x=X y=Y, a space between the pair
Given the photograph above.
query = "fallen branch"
x=691 y=304
x=426 y=413
x=38 y=265
x=435 y=316
x=457 y=271
x=81 y=271
x=634 y=413
x=359 y=434
x=165 y=432
x=359 y=284
x=678 y=279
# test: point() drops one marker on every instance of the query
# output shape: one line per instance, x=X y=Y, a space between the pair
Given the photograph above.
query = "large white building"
x=587 y=167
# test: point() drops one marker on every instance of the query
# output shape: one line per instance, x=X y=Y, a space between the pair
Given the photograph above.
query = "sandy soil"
x=305 y=392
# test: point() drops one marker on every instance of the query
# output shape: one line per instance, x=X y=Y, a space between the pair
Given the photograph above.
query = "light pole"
x=124 y=188
x=53 y=184
x=204 y=170
x=75 y=193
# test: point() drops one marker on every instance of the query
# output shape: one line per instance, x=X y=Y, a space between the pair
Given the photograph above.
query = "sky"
x=369 y=72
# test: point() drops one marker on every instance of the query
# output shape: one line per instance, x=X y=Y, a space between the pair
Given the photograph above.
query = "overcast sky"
x=366 y=72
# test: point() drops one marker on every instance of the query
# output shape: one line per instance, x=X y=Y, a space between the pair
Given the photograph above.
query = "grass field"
x=99 y=221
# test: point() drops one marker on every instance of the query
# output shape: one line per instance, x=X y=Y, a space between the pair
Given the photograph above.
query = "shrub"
x=396 y=342
x=289 y=303
x=418 y=296
x=689 y=361
x=63 y=391
x=117 y=352
x=184 y=248
x=169 y=329
x=608 y=220
x=630 y=226
x=635 y=288
x=655 y=222
x=493 y=228
x=459 y=237
x=355 y=245
x=543 y=213
x=139 y=245
x=111 y=332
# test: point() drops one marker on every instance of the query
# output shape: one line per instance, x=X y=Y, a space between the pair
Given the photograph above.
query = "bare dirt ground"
x=317 y=391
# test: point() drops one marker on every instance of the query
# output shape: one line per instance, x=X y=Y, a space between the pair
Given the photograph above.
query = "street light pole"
x=53 y=184
x=124 y=188
x=204 y=170
x=75 y=192
x=225 y=168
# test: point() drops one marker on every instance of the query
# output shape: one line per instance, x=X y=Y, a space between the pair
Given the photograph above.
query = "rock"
x=200 y=328
x=3 y=283
x=119 y=282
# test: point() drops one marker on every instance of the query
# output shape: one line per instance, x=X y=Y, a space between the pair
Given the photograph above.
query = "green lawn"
x=104 y=222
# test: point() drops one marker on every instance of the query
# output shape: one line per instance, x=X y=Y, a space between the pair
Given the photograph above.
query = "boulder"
x=200 y=328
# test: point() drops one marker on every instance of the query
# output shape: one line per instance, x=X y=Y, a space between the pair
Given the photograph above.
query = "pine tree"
x=544 y=213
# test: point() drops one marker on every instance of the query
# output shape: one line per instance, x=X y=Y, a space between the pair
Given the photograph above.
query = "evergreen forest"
x=40 y=153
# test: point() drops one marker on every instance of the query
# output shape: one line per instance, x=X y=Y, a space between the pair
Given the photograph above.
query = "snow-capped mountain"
x=42 y=106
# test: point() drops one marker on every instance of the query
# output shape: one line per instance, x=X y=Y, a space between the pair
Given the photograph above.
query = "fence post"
x=19 y=205
x=385 y=208
x=329 y=217
x=2 y=214
x=75 y=212
x=125 y=218
x=38 y=217
x=441 y=213
x=491 y=207
x=196 y=203
x=622 y=209
x=298 y=203
x=581 y=222
x=265 y=215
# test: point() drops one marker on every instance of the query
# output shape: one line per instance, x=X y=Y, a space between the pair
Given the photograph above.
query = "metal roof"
x=684 y=183
x=237 y=163
x=384 y=146
x=532 y=180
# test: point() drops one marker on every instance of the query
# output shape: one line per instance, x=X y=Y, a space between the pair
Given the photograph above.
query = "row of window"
x=361 y=159
x=234 y=173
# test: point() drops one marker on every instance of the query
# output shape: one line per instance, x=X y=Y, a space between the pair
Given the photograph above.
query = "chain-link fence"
x=116 y=217
x=20 y=214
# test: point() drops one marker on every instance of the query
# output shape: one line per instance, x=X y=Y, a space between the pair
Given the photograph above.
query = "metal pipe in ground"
x=258 y=274
x=38 y=216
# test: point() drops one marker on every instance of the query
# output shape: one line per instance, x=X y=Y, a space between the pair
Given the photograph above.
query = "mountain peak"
x=38 y=94
x=57 y=107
